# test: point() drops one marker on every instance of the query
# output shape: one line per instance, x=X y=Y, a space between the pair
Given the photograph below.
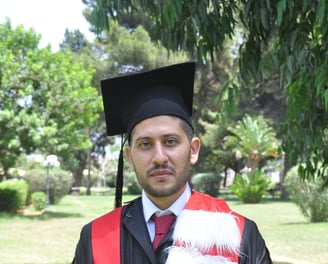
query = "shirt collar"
x=149 y=208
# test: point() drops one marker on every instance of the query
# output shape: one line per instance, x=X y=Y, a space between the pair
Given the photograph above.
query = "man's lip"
x=158 y=173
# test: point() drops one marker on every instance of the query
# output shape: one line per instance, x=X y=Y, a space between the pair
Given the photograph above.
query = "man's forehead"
x=157 y=125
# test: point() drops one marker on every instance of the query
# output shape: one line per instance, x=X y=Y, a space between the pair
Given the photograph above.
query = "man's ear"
x=194 y=150
x=128 y=157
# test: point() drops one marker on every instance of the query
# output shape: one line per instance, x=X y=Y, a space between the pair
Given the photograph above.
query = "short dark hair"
x=187 y=129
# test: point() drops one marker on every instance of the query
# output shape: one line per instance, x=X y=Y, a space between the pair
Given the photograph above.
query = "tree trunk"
x=284 y=195
x=89 y=184
x=78 y=176
x=89 y=165
x=225 y=176
x=78 y=170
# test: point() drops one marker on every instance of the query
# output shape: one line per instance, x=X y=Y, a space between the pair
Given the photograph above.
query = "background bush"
x=308 y=195
x=8 y=200
x=207 y=183
x=251 y=188
x=131 y=185
x=39 y=200
x=13 y=194
x=60 y=183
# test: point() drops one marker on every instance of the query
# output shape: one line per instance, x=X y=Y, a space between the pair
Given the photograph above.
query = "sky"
x=49 y=18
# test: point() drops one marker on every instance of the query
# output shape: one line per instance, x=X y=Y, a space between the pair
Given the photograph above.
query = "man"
x=154 y=110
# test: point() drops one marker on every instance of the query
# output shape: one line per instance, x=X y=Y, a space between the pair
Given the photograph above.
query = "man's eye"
x=171 y=141
x=144 y=144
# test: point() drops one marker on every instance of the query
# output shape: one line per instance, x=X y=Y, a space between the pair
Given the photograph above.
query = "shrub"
x=60 y=183
x=82 y=190
x=20 y=187
x=8 y=200
x=250 y=189
x=134 y=188
x=131 y=184
x=39 y=200
x=207 y=183
x=308 y=196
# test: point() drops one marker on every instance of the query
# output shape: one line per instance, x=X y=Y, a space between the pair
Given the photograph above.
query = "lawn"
x=50 y=238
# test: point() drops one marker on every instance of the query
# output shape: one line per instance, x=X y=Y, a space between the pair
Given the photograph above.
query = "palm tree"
x=253 y=140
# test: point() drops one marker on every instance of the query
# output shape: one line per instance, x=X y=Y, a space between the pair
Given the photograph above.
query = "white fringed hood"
x=205 y=237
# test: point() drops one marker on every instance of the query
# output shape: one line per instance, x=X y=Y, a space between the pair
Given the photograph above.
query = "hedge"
x=13 y=195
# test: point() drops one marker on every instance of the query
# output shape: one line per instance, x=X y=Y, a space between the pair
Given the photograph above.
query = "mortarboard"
x=132 y=98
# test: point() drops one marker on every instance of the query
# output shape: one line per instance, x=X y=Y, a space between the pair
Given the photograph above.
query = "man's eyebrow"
x=171 y=135
x=141 y=137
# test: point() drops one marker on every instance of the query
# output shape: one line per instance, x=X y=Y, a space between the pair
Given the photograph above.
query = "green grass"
x=290 y=238
x=51 y=238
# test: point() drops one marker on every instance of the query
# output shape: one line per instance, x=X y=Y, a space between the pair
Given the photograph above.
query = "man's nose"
x=160 y=156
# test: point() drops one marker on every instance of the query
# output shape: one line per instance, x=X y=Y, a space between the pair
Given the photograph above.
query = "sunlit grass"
x=51 y=237
x=289 y=236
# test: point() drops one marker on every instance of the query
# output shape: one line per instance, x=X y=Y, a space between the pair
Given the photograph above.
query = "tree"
x=74 y=41
x=47 y=102
x=287 y=38
x=80 y=49
x=179 y=25
x=215 y=157
x=253 y=140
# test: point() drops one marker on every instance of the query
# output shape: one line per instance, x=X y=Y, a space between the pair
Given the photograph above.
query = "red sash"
x=105 y=237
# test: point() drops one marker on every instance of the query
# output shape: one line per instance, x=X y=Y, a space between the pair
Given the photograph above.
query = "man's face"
x=161 y=154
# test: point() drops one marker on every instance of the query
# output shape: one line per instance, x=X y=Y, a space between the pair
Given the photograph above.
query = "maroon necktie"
x=162 y=226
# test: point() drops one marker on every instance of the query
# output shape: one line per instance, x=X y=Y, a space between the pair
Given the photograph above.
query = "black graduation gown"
x=136 y=247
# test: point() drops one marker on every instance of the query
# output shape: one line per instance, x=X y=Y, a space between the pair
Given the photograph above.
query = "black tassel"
x=119 y=179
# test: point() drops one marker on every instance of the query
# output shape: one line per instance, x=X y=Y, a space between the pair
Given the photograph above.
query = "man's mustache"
x=160 y=167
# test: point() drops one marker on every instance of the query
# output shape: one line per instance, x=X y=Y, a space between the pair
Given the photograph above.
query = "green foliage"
x=253 y=140
x=60 y=183
x=14 y=193
x=74 y=41
x=213 y=157
x=280 y=39
x=178 y=24
x=39 y=200
x=44 y=96
x=298 y=54
x=251 y=188
x=132 y=185
x=309 y=196
x=207 y=183
x=134 y=188
x=9 y=200
x=131 y=51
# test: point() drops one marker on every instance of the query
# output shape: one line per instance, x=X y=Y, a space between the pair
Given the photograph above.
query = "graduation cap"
x=132 y=98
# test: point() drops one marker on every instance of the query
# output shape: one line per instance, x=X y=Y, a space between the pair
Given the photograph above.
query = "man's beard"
x=180 y=181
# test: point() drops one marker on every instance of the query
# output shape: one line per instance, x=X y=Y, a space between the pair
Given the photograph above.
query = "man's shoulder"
x=110 y=217
x=201 y=201
x=116 y=213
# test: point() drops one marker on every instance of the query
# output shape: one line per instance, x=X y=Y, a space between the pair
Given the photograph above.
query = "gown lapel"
x=134 y=221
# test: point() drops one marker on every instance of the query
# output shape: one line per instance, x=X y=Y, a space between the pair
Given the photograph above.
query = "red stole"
x=105 y=237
